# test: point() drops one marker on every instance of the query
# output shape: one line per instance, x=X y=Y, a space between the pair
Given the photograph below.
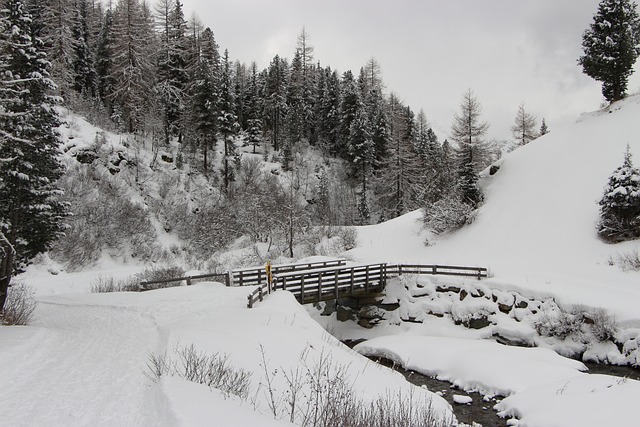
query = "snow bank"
x=474 y=365
x=585 y=401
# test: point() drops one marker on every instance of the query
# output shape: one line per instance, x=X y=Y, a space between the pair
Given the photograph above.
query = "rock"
x=523 y=304
x=479 y=323
x=504 y=308
x=493 y=169
x=343 y=314
x=167 y=158
x=86 y=157
x=462 y=400
x=463 y=294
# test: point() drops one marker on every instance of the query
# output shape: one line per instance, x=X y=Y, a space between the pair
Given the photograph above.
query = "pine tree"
x=610 y=47
x=399 y=175
x=104 y=59
x=523 y=129
x=543 y=128
x=54 y=26
x=350 y=104
x=172 y=66
x=84 y=73
x=361 y=150
x=133 y=72
x=253 y=104
x=468 y=132
x=620 y=204
x=30 y=213
x=228 y=120
x=275 y=100
x=205 y=96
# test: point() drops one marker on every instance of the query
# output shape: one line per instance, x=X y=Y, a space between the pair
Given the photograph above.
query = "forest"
x=276 y=151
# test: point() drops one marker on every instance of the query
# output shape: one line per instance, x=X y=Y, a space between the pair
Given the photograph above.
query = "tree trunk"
x=6 y=268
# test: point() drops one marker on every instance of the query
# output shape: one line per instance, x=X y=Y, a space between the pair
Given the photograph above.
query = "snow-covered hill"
x=536 y=230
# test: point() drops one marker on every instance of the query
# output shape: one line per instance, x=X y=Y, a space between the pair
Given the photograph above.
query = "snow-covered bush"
x=627 y=261
x=448 y=214
x=602 y=325
x=110 y=284
x=20 y=305
x=558 y=323
x=104 y=217
x=620 y=204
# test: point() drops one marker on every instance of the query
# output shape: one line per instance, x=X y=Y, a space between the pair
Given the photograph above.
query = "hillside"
x=536 y=229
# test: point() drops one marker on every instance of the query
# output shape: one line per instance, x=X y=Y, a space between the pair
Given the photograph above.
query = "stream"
x=480 y=411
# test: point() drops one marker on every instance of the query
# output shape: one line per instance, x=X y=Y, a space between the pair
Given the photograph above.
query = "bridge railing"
x=147 y=284
x=443 y=270
x=257 y=275
x=325 y=283
x=336 y=282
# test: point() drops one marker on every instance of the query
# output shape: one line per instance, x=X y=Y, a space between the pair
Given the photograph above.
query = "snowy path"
x=83 y=366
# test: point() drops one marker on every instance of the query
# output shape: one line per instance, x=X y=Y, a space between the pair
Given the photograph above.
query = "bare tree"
x=524 y=128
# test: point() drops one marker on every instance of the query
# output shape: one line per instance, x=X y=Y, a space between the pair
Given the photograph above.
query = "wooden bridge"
x=327 y=283
x=322 y=281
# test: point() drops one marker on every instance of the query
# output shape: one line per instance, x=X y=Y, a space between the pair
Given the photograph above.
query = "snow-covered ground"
x=83 y=361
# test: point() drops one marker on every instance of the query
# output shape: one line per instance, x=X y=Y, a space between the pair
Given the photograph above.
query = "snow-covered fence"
x=147 y=285
x=326 y=283
x=257 y=275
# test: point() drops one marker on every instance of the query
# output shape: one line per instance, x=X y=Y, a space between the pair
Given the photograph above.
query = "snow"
x=82 y=361
x=474 y=365
x=536 y=230
x=588 y=400
x=462 y=400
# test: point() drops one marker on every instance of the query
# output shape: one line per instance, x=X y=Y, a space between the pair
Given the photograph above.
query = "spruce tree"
x=620 y=204
x=228 y=120
x=610 y=47
x=205 y=97
x=544 y=129
x=31 y=214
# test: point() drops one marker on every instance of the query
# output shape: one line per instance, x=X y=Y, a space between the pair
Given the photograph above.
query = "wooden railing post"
x=302 y=289
x=227 y=279
x=319 y=287
x=336 y=284
x=188 y=281
x=351 y=281
x=366 y=280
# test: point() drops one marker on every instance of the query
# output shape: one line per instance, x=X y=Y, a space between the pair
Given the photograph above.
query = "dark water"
x=477 y=411
x=480 y=411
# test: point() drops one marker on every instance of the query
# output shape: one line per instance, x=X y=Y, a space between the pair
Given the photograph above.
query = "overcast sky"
x=430 y=52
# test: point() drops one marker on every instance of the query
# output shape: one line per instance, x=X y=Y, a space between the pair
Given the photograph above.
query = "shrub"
x=558 y=323
x=448 y=214
x=104 y=218
x=109 y=284
x=627 y=261
x=602 y=325
x=212 y=370
x=19 y=306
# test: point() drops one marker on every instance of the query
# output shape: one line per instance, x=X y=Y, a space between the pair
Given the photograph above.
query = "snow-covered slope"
x=536 y=229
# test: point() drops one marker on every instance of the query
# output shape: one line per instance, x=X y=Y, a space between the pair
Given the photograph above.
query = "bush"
x=321 y=393
x=132 y=283
x=448 y=214
x=212 y=370
x=109 y=284
x=558 y=323
x=104 y=218
x=19 y=306
x=627 y=261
